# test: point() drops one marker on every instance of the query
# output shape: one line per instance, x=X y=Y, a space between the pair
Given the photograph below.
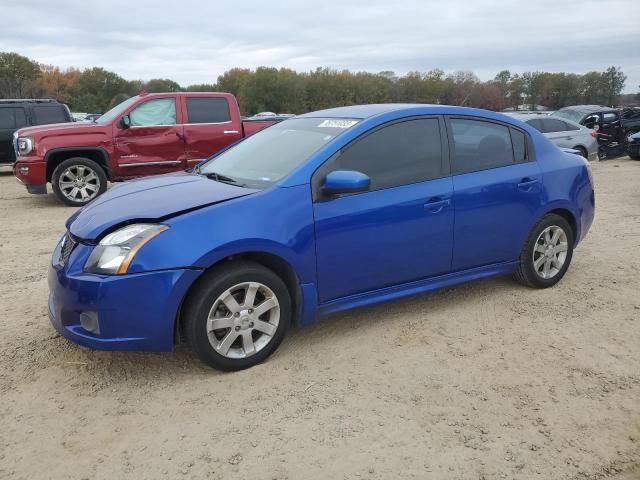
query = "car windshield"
x=573 y=115
x=115 y=111
x=269 y=155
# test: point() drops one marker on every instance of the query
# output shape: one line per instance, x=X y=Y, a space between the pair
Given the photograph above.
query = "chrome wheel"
x=243 y=320
x=79 y=183
x=550 y=252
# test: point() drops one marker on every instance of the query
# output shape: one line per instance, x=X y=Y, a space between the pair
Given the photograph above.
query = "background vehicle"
x=18 y=113
x=633 y=146
x=310 y=217
x=563 y=133
x=613 y=125
x=147 y=134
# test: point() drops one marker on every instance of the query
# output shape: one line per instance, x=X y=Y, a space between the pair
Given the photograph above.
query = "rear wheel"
x=582 y=150
x=77 y=181
x=547 y=253
x=237 y=315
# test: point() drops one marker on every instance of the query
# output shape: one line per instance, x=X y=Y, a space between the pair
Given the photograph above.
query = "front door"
x=154 y=141
x=497 y=191
x=398 y=231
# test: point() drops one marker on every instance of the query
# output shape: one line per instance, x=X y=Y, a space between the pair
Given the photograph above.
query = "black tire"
x=99 y=181
x=526 y=273
x=634 y=156
x=582 y=150
x=202 y=298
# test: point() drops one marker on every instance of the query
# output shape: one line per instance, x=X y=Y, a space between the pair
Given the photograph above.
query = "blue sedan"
x=325 y=212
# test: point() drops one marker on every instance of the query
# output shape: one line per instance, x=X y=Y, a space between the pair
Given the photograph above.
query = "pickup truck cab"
x=148 y=134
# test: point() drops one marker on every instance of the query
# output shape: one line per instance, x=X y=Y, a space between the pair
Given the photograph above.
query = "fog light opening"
x=89 y=321
x=24 y=170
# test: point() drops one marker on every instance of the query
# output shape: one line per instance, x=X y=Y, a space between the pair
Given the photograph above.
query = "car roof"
x=364 y=111
x=588 y=108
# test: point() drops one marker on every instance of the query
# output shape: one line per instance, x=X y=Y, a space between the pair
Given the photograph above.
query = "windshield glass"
x=116 y=111
x=269 y=155
x=572 y=115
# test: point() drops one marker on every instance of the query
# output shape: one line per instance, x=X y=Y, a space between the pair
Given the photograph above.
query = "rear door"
x=497 y=190
x=154 y=142
x=559 y=132
x=210 y=126
x=11 y=119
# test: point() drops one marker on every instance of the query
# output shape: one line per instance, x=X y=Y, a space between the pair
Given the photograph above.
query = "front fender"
x=202 y=238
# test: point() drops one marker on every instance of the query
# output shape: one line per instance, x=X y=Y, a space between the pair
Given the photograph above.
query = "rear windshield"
x=264 y=158
x=573 y=115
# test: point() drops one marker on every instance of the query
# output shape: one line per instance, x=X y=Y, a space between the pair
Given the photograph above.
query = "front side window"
x=43 y=115
x=208 y=110
x=479 y=145
x=154 y=112
x=609 y=117
x=269 y=155
x=399 y=154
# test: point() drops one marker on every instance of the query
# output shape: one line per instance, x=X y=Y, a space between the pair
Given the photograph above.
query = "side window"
x=154 y=112
x=479 y=145
x=609 y=117
x=12 y=117
x=46 y=114
x=208 y=110
x=537 y=124
x=569 y=126
x=402 y=153
x=519 y=142
x=554 y=125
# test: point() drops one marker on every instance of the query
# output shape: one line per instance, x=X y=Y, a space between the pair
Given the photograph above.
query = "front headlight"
x=24 y=145
x=116 y=251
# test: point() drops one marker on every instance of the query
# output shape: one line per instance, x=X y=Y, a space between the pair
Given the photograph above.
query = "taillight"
x=594 y=134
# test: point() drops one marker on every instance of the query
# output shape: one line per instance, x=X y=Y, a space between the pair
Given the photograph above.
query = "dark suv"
x=15 y=114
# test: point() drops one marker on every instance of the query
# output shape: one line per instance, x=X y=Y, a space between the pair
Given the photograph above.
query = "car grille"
x=68 y=244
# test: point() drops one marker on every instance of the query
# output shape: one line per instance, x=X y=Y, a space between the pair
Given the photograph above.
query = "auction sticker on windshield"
x=337 y=123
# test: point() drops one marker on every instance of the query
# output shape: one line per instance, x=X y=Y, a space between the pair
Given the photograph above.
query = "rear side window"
x=569 y=126
x=609 y=117
x=537 y=124
x=399 y=154
x=12 y=117
x=208 y=110
x=45 y=114
x=479 y=145
x=554 y=125
x=519 y=141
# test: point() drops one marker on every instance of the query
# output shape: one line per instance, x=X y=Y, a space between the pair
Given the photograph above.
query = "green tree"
x=18 y=75
x=613 y=80
x=162 y=85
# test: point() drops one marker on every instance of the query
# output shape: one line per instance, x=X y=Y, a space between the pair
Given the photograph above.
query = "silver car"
x=563 y=133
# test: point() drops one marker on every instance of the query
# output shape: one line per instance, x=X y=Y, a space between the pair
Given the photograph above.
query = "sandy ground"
x=484 y=381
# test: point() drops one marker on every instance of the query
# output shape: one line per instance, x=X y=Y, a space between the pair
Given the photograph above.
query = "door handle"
x=436 y=204
x=526 y=183
x=231 y=132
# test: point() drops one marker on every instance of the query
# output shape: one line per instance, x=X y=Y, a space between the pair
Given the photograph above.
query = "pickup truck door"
x=211 y=124
x=154 y=141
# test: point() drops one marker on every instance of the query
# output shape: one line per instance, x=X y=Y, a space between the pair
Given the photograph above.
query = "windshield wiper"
x=221 y=178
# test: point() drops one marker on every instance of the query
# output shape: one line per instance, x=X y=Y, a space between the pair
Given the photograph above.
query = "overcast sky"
x=195 y=41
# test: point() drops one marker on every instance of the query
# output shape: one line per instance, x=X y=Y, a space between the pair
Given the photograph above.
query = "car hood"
x=61 y=128
x=150 y=199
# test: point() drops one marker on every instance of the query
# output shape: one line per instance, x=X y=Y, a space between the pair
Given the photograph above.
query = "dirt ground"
x=489 y=380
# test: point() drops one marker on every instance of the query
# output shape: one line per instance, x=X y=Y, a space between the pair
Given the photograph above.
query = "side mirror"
x=345 y=181
x=125 y=122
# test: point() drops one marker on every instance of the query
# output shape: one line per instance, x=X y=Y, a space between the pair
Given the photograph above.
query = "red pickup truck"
x=148 y=134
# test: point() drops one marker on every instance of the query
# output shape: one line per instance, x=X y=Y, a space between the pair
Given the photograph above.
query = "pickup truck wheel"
x=236 y=315
x=77 y=181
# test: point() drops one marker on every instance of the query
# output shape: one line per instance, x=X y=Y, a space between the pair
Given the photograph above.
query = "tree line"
x=283 y=90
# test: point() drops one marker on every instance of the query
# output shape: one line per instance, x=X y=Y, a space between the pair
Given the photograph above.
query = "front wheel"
x=77 y=181
x=547 y=253
x=237 y=315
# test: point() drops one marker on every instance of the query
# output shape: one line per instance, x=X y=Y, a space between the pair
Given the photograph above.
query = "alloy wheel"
x=79 y=183
x=243 y=320
x=550 y=252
